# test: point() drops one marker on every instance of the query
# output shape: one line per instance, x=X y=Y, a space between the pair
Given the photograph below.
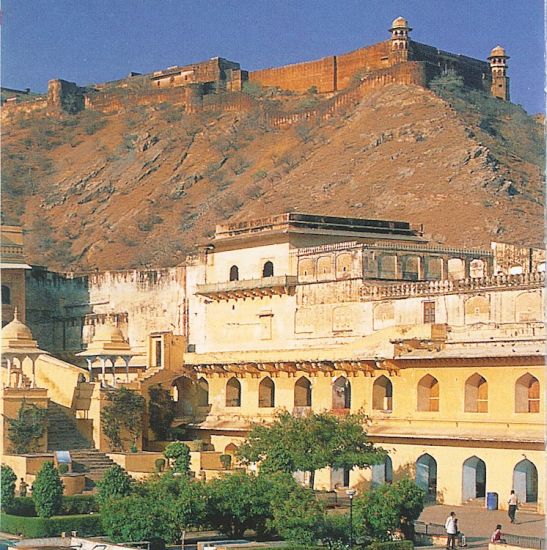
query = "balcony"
x=249 y=288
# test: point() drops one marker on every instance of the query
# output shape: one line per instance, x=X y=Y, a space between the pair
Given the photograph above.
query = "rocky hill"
x=141 y=187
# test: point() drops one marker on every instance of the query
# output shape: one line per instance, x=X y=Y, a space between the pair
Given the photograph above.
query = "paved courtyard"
x=478 y=524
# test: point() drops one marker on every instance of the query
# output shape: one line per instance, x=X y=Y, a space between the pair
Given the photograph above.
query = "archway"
x=426 y=475
x=302 y=392
x=266 y=393
x=428 y=394
x=234 y=273
x=233 y=393
x=382 y=394
x=341 y=393
x=184 y=396
x=474 y=478
x=202 y=393
x=268 y=269
x=527 y=394
x=382 y=473
x=525 y=481
x=476 y=394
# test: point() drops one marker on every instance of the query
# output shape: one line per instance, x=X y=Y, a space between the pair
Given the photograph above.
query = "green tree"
x=47 y=492
x=26 y=429
x=382 y=511
x=299 y=518
x=179 y=453
x=161 y=410
x=124 y=411
x=115 y=484
x=309 y=443
x=189 y=509
x=7 y=486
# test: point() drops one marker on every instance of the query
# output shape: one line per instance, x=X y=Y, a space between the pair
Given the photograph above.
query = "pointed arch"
x=527 y=395
x=234 y=273
x=476 y=394
x=426 y=475
x=382 y=473
x=525 y=481
x=341 y=393
x=428 y=394
x=473 y=478
x=233 y=392
x=302 y=392
x=202 y=392
x=268 y=269
x=266 y=393
x=382 y=394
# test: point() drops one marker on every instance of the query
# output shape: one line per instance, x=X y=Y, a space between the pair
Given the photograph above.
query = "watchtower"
x=498 y=66
x=399 y=41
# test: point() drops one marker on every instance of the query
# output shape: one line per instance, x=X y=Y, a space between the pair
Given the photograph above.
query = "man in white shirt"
x=513 y=505
x=451 y=531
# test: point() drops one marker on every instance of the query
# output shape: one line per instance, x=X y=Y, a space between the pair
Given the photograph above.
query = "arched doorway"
x=266 y=393
x=202 y=391
x=426 y=475
x=341 y=393
x=382 y=473
x=233 y=393
x=474 y=478
x=428 y=394
x=527 y=394
x=268 y=269
x=302 y=392
x=382 y=394
x=525 y=481
x=184 y=396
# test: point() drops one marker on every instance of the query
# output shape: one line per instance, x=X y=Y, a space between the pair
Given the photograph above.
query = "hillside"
x=140 y=188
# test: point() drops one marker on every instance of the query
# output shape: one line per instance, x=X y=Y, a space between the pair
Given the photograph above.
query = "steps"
x=92 y=462
x=62 y=431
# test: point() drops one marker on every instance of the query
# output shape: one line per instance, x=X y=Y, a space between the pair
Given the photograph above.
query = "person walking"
x=451 y=527
x=513 y=505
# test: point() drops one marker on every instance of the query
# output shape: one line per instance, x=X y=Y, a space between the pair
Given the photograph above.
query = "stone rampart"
x=14 y=108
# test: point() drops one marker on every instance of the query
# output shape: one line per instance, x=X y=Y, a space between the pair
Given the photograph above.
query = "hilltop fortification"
x=197 y=86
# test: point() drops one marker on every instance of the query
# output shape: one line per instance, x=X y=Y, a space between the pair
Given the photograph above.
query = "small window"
x=6 y=295
x=268 y=269
x=234 y=273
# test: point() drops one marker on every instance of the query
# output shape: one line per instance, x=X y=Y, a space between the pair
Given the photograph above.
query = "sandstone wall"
x=362 y=60
x=64 y=309
x=11 y=109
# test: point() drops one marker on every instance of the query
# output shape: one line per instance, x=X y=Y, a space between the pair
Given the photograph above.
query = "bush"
x=71 y=505
x=159 y=464
x=115 y=484
x=226 y=461
x=162 y=411
x=63 y=469
x=86 y=525
x=47 y=492
x=180 y=454
x=7 y=486
x=26 y=429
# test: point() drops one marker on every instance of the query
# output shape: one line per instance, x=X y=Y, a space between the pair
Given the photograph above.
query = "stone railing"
x=247 y=284
x=406 y=290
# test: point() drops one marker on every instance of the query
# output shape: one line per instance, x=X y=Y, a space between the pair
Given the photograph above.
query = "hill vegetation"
x=141 y=187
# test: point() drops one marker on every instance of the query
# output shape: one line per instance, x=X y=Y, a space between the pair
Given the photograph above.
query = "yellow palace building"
x=442 y=348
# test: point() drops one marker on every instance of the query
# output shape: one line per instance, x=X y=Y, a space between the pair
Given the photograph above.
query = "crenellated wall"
x=63 y=309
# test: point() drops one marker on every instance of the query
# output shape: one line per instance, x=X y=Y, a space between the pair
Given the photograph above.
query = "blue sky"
x=88 y=41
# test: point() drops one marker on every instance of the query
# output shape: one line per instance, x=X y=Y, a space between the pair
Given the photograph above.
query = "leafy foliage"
x=114 y=485
x=309 y=443
x=161 y=410
x=7 y=486
x=389 y=508
x=123 y=412
x=179 y=453
x=47 y=492
x=26 y=429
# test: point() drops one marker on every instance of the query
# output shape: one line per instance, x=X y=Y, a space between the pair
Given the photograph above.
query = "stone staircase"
x=92 y=462
x=62 y=431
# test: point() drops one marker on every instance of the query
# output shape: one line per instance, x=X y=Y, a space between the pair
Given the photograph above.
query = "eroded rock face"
x=141 y=190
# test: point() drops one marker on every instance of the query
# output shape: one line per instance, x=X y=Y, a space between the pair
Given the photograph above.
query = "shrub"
x=7 y=486
x=162 y=411
x=63 y=469
x=159 y=464
x=226 y=461
x=124 y=411
x=115 y=484
x=180 y=454
x=20 y=506
x=26 y=429
x=86 y=525
x=79 y=504
x=47 y=492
